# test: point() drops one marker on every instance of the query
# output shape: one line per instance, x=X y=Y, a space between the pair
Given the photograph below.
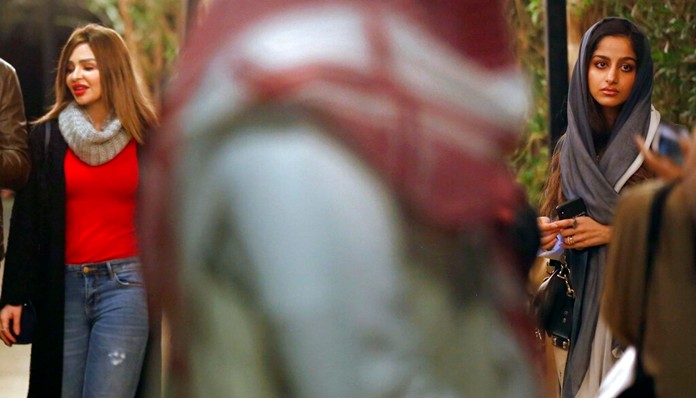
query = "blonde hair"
x=121 y=85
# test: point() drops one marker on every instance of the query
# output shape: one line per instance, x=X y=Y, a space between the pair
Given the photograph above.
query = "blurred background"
x=547 y=33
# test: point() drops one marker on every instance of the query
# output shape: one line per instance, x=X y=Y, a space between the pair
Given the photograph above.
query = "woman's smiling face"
x=612 y=72
x=82 y=76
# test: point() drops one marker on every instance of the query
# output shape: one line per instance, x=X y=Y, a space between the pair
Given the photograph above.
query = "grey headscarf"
x=598 y=182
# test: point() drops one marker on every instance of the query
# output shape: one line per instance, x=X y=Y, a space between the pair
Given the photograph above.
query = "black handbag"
x=27 y=324
x=552 y=305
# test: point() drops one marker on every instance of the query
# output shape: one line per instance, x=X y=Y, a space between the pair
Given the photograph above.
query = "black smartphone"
x=571 y=208
x=669 y=136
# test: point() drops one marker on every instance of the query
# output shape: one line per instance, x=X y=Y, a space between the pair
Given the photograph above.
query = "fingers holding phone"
x=666 y=158
x=549 y=231
x=577 y=229
x=583 y=232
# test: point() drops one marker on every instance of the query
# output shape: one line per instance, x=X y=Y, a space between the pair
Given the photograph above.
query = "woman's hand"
x=549 y=232
x=10 y=315
x=583 y=232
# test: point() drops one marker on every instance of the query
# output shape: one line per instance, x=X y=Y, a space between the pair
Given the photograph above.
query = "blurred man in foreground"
x=331 y=207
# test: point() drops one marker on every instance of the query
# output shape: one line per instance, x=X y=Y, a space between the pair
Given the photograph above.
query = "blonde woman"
x=73 y=248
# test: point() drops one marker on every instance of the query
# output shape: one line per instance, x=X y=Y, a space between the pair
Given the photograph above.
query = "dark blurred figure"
x=14 y=149
x=327 y=208
x=669 y=315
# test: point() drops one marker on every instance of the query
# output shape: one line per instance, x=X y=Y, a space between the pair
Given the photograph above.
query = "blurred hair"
x=553 y=192
x=121 y=86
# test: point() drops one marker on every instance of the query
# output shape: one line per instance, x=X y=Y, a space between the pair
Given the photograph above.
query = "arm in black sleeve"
x=23 y=241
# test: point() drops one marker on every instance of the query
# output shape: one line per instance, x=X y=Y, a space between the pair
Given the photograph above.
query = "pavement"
x=14 y=361
x=14 y=370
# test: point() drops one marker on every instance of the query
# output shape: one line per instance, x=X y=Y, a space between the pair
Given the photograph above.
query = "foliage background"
x=671 y=28
x=153 y=30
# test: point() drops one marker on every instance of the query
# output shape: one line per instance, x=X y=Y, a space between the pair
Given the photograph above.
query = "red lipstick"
x=79 y=89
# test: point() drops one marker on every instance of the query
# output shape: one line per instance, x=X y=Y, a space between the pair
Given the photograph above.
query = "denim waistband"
x=104 y=266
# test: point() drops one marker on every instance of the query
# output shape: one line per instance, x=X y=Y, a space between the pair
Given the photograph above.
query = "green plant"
x=152 y=31
x=671 y=27
x=530 y=160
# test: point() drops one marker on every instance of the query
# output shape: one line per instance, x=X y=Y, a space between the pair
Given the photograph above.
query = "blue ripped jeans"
x=106 y=329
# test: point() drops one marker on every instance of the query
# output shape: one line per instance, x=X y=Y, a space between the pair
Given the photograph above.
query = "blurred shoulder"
x=6 y=68
x=636 y=200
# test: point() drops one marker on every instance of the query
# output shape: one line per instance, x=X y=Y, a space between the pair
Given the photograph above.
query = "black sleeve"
x=23 y=240
x=524 y=236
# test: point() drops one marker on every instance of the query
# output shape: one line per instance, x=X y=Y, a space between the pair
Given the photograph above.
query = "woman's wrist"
x=607 y=233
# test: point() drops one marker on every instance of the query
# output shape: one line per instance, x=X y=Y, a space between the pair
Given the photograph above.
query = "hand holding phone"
x=669 y=137
x=571 y=209
x=664 y=158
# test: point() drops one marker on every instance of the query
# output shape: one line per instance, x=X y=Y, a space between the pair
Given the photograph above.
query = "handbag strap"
x=656 y=210
x=655 y=223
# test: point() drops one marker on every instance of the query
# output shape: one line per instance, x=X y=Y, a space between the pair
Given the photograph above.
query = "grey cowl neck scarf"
x=92 y=146
x=595 y=182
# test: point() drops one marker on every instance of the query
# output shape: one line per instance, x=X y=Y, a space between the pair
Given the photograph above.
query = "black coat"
x=35 y=261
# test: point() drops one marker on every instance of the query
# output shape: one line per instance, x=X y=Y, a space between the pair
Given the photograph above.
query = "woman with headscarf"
x=609 y=103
